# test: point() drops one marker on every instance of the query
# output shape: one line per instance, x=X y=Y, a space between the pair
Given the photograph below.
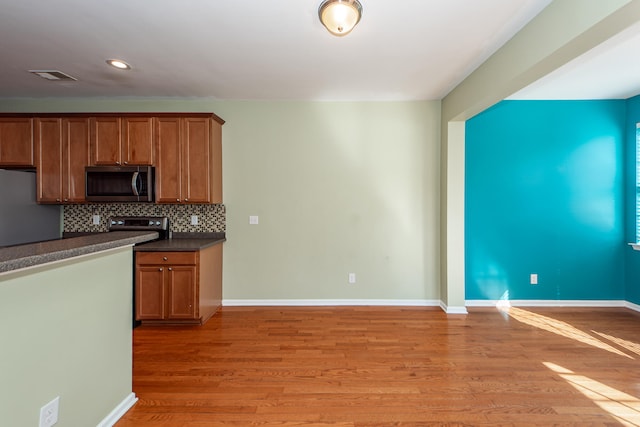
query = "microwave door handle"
x=134 y=183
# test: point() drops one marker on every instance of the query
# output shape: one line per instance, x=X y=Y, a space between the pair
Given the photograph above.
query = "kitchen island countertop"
x=32 y=254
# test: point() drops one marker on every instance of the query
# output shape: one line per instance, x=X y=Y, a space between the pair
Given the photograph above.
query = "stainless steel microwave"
x=119 y=183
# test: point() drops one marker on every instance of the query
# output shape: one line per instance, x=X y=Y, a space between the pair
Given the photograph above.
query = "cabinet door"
x=150 y=295
x=196 y=164
x=106 y=141
x=49 y=146
x=137 y=140
x=76 y=137
x=182 y=292
x=168 y=160
x=16 y=142
x=216 y=162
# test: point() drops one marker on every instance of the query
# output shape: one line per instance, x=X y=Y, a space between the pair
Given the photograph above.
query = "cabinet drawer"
x=168 y=258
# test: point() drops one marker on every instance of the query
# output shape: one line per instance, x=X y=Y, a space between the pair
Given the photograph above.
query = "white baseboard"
x=632 y=306
x=453 y=309
x=328 y=302
x=426 y=303
x=119 y=411
x=547 y=303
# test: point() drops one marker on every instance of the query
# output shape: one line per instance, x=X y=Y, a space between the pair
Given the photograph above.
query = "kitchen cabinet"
x=16 y=142
x=188 y=160
x=178 y=287
x=122 y=140
x=62 y=152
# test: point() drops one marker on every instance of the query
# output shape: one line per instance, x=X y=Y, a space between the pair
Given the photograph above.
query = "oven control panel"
x=130 y=223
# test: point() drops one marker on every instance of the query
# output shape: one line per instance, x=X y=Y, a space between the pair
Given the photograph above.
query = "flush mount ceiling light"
x=340 y=16
x=119 y=64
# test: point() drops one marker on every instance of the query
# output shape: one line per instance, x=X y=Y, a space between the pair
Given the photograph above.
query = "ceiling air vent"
x=52 y=75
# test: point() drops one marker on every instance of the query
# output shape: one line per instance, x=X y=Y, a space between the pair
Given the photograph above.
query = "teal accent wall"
x=632 y=258
x=545 y=187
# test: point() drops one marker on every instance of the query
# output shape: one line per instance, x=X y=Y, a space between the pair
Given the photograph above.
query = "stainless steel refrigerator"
x=22 y=220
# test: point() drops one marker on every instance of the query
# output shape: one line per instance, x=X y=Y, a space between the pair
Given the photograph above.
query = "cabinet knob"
x=66 y=200
x=160 y=269
x=117 y=163
x=164 y=258
x=57 y=200
x=170 y=269
x=177 y=200
x=186 y=200
x=126 y=163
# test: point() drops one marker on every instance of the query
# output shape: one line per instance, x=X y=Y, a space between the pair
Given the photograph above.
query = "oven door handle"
x=134 y=183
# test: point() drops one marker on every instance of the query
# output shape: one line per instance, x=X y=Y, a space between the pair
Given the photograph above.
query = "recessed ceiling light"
x=118 y=63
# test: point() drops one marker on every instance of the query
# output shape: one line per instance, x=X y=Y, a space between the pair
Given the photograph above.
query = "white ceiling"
x=252 y=49
x=277 y=49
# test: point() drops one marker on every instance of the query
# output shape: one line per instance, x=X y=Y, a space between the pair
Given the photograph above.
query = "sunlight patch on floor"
x=629 y=345
x=558 y=327
x=622 y=406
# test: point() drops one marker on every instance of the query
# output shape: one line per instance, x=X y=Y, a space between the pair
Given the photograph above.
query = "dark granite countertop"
x=32 y=254
x=183 y=242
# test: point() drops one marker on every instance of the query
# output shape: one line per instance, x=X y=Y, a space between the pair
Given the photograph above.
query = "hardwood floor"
x=390 y=366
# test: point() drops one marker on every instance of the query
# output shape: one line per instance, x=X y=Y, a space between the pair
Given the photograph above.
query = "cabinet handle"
x=164 y=258
x=160 y=269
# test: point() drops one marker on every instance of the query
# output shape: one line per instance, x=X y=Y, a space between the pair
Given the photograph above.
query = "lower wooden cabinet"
x=178 y=287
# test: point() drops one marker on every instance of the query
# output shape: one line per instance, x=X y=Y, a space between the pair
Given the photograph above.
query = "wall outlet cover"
x=194 y=219
x=96 y=219
x=253 y=219
x=49 y=413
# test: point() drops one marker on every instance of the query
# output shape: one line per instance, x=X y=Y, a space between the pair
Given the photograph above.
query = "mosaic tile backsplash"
x=211 y=218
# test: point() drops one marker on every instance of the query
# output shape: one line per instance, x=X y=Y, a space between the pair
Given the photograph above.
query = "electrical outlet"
x=253 y=219
x=194 y=219
x=533 y=279
x=96 y=219
x=352 y=278
x=49 y=413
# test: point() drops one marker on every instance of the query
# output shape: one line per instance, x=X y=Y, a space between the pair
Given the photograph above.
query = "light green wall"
x=65 y=330
x=339 y=188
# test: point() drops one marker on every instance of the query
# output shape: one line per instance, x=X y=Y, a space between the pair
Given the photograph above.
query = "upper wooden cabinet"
x=188 y=160
x=122 y=140
x=185 y=148
x=16 y=142
x=62 y=152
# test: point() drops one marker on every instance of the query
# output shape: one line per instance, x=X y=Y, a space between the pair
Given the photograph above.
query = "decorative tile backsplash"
x=211 y=218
